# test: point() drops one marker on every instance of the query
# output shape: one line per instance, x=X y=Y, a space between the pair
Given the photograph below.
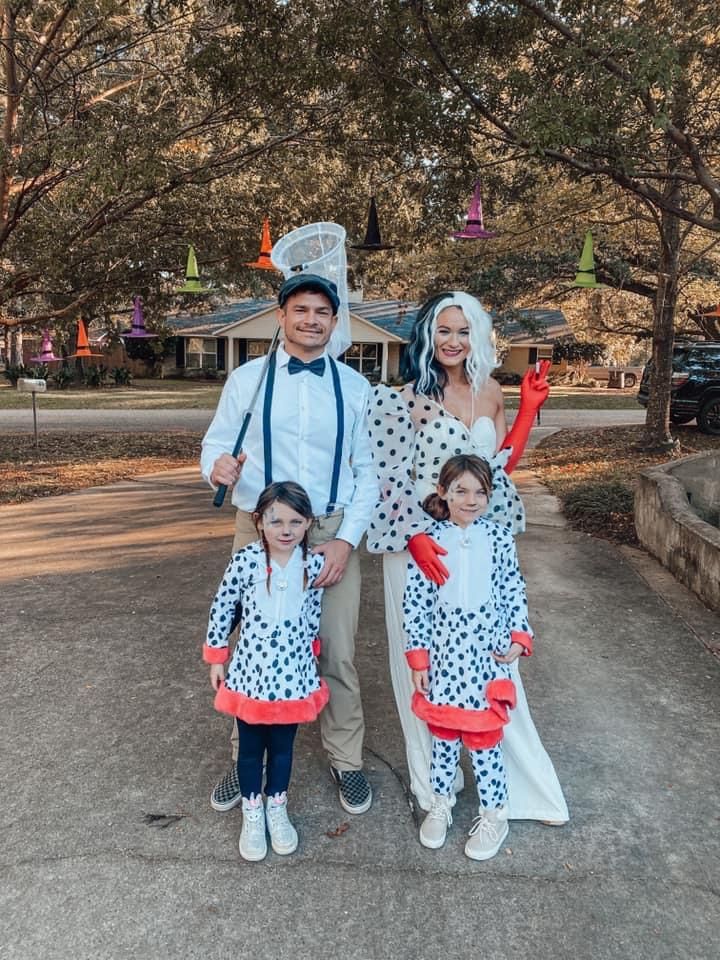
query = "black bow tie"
x=316 y=366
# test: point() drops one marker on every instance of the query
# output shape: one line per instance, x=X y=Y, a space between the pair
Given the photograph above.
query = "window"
x=365 y=358
x=201 y=353
x=257 y=348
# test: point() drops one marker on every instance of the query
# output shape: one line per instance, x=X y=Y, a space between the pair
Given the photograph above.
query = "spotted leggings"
x=487 y=766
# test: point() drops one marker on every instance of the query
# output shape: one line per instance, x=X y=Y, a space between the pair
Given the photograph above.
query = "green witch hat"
x=192 y=275
x=585 y=276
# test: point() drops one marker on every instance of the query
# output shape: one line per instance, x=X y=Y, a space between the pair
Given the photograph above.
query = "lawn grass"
x=141 y=395
x=594 y=471
x=67 y=462
x=579 y=398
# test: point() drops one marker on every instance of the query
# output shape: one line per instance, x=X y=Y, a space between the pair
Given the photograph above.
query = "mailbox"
x=26 y=385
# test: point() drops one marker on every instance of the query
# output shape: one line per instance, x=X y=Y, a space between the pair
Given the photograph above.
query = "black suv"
x=695 y=389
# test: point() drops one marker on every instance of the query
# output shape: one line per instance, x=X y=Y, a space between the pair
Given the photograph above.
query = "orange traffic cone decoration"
x=82 y=348
x=263 y=261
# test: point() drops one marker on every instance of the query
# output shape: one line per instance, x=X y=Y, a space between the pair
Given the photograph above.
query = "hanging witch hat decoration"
x=192 y=275
x=137 y=327
x=474 y=225
x=585 y=276
x=263 y=261
x=46 y=354
x=712 y=313
x=372 y=241
x=82 y=349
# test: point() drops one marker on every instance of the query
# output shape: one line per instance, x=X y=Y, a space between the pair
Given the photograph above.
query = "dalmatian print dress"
x=272 y=676
x=411 y=440
x=454 y=629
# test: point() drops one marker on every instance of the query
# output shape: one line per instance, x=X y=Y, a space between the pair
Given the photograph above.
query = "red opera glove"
x=426 y=554
x=534 y=391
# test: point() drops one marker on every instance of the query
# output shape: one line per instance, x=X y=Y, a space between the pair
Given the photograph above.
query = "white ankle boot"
x=433 y=829
x=253 y=844
x=283 y=835
x=487 y=833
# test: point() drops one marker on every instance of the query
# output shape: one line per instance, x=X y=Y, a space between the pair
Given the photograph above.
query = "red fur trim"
x=443 y=733
x=316 y=646
x=524 y=639
x=482 y=741
x=272 y=711
x=500 y=695
x=215 y=654
x=418 y=659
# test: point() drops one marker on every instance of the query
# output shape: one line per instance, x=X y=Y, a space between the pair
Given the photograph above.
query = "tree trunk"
x=657 y=422
x=16 y=345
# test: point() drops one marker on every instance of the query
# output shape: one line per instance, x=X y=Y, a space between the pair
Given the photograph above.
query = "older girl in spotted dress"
x=272 y=683
x=461 y=639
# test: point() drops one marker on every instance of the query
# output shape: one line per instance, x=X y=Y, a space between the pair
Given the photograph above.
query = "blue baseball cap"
x=313 y=284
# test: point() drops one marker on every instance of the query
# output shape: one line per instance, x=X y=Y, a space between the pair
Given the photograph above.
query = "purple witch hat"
x=46 y=354
x=137 y=327
x=474 y=227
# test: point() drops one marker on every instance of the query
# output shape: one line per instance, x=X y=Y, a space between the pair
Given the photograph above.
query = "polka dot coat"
x=411 y=441
x=272 y=676
x=454 y=629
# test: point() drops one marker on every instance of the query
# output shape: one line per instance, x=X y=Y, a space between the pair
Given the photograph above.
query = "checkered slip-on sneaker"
x=354 y=792
x=226 y=794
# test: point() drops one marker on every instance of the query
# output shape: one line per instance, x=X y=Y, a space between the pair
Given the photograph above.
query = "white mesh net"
x=319 y=248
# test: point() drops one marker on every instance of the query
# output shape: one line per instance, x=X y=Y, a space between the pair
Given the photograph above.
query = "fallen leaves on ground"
x=338 y=831
x=587 y=465
x=66 y=462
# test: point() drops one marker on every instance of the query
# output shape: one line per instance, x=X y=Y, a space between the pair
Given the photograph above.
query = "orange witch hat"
x=82 y=348
x=263 y=261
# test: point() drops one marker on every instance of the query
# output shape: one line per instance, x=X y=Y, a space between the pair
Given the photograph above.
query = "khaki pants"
x=341 y=722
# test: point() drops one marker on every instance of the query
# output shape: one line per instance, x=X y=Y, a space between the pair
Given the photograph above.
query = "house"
x=242 y=330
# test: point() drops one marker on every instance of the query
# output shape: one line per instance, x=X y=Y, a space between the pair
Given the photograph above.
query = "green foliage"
x=62 y=377
x=14 y=372
x=96 y=376
x=594 y=505
x=122 y=376
x=575 y=351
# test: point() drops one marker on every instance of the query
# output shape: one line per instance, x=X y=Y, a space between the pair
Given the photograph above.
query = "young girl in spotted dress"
x=461 y=639
x=272 y=683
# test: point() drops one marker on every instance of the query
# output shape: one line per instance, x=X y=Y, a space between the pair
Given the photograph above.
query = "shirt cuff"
x=215 y=654
x=350 y=531
x=524 y=639
x=418 y=659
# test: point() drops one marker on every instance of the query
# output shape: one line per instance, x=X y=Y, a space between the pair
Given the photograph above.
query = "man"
x=309 y=426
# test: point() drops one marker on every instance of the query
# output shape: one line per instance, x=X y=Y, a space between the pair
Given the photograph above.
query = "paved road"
x=107 y=719
x=150 y=420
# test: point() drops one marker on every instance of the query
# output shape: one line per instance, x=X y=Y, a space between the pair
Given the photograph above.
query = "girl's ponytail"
x=436 y=507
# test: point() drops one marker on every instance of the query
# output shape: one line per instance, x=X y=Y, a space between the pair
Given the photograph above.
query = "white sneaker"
x=435 y=825
x=487 y=834
x=253 y=843
x=283 y=835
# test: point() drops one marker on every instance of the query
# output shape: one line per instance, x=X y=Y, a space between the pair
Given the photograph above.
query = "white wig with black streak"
x=419 y=362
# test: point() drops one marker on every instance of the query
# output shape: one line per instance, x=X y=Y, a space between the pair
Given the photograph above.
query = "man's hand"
x=336 y=553
x=217 y=675
x=426 y=554
x=421 y=681
x=226 y=469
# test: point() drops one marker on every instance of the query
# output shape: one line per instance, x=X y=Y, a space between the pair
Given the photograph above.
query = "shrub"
x=15 y=371
x=122 y=376
x=590 y=505
x=62 y=377
x=508 y=379
x=96 y=376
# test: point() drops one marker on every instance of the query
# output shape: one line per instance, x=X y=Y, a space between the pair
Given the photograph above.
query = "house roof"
x=395 y=317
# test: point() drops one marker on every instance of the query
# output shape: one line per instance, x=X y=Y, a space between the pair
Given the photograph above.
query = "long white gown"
x=411 y=441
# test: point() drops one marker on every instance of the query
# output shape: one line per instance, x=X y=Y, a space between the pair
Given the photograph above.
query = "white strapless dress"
x=410 y=447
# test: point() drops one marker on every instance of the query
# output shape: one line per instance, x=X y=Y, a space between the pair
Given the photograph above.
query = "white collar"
x=283 y=357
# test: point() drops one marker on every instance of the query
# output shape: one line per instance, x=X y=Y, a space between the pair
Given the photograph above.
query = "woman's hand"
x=534 y=388
x=516 y=650
x=217 y=675
x=426 y=554
x=421 y=681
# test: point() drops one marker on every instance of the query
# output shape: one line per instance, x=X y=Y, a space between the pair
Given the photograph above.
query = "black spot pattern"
x=273 y=657
x=488 y=768
x=411 y=440
x=461 y=640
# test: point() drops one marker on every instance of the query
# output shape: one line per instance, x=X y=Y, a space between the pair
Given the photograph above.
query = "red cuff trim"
x=524 y=639
x=272 y=711
x=418 y=659
x=473 y=741
x=316 y=646
x=215 y=654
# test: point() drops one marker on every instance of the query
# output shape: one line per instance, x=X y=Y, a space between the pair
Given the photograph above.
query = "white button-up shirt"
x=303 y=431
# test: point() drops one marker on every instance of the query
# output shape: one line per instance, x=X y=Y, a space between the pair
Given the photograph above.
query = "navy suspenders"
x=339 y=435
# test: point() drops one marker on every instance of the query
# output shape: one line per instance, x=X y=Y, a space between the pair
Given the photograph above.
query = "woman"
x=451 y=406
